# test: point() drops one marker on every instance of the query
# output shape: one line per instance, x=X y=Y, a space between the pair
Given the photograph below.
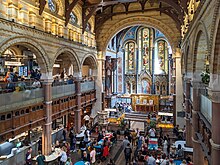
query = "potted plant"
x=205 y=77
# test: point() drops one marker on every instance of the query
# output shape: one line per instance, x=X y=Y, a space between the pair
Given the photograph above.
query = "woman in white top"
x=63 y=155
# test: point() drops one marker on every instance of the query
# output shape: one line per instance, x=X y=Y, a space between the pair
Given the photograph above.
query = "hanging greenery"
x=205 y=77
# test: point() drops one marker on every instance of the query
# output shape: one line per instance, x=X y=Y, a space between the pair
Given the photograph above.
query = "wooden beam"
x=126 y=5
x=68 y=9
x=107 y=3
x=87 y=17
x=174 y=17
x=101 y=18
x=184 y=4
x=174 y=5
x=42 y=6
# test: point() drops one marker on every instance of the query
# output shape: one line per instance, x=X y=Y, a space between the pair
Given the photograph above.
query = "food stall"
x=113 y=115
x=165 y=120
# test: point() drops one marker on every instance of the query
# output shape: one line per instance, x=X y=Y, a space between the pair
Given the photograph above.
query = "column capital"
x=187 y=79
x=47 y=77
x=77 y=75
x=214 y=95
x=197 y=84
x=214 y=145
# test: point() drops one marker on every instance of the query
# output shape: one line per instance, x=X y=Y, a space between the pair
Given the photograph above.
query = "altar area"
x=145 y=102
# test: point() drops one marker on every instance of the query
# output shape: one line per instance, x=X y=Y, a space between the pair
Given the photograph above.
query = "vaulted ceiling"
x=105 y=9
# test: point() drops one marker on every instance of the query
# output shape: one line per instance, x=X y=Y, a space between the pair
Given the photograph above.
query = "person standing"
x=128 y=152
x=151 y=160
x=40 y=158
x=64 y=134
x=63 y=155
x=125 y=142
x=28 y=157
x=92 y=156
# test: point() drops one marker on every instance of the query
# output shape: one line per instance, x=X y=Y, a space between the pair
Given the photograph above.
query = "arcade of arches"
x=63 y=60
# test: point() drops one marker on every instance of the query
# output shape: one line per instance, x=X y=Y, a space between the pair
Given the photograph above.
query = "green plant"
x=205 y=77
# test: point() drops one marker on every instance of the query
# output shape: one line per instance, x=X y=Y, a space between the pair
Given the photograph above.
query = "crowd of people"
x=137 y=148
x=14 y=82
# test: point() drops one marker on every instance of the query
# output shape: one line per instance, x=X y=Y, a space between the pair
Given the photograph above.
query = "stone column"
x=98 y=86
x=198 y=157
x=214 y=93
x=47 y=128
x=187 y=111
x=179 y=87
x=77 y=112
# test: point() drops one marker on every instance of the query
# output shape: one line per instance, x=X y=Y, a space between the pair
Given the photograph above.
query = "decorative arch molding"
x=139 y=20
x=161 y=38
x=200 y=27
x=39 y=51
x=212 y=44
x=74 y=59
x=200 y=30
x=92 y=58
x=130 y=40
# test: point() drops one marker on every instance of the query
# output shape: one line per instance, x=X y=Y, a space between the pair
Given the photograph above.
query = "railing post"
x=78 y=109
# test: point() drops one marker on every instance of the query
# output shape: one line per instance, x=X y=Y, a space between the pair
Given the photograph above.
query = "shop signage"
x=12 y=63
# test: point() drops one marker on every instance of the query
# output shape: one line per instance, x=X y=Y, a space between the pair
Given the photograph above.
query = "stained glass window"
x=130 y=55
x=52 y=5
x=73 y=18
x=163 y=55
x=144 y=39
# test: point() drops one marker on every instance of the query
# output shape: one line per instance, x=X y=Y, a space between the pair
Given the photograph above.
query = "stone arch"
x=214 y=41
x=73 y=57
x=138 y=20
x=216 y=62
x=38 y=50
x=200 y=50
x=91 y=59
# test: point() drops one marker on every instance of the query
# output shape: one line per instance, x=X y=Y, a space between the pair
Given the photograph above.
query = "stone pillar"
x=214 y=93
x=98 y=86
x=187 y=111
x=77 y=112
x=198 y=157
x=47 y=128
x=179 y=87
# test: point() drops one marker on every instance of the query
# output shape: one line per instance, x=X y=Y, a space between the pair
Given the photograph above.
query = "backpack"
x=128 y=151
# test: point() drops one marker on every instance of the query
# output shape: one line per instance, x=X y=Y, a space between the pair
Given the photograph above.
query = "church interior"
x=74 y=70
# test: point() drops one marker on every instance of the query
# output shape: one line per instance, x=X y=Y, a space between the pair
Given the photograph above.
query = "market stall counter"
x=51 y=159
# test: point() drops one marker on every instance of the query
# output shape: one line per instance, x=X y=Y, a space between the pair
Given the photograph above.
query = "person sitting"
x=22 y=85
x=36 y=83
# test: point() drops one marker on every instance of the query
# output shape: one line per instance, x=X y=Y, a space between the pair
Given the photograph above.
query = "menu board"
x=23 y=71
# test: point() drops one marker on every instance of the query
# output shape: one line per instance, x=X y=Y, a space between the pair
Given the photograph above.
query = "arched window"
x=145 y=37
x=130 y=57
x=88 y=27
x=52 y=6
x=73 y=18
x=162 y=55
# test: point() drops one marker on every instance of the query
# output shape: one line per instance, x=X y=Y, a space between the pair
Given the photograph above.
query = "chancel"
x=109 y=82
